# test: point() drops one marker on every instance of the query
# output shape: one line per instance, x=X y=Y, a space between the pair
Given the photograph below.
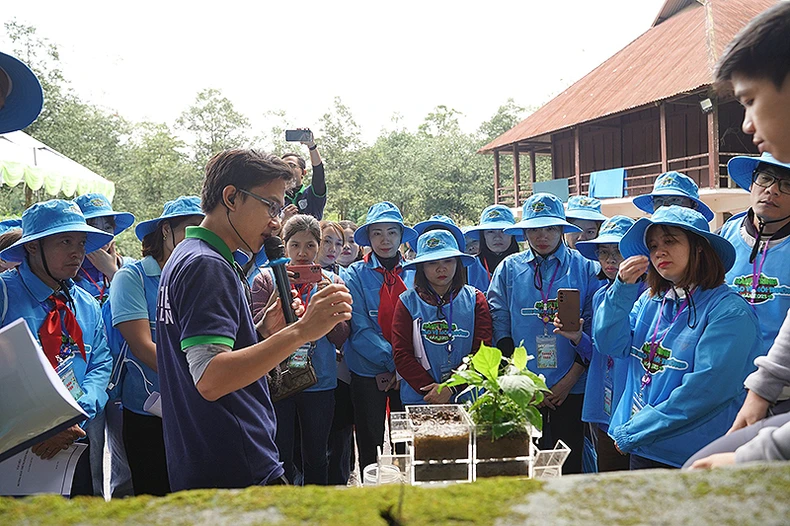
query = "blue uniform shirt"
x=772 y=298
x=133 y=297
x=27 y=298
x=368 y=352
x=477 y=276
x=697 y=389
x=517 y=305
x=228 y=443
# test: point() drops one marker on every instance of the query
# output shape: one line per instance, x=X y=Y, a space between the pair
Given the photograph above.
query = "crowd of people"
x=680 y=357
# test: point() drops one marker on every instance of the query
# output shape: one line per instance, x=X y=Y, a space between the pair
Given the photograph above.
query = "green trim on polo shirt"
x=204 y=234
x=206 y=340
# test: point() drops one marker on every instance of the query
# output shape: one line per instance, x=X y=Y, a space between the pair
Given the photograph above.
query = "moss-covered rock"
x=756 y=494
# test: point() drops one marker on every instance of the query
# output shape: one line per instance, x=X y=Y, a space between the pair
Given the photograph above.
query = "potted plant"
x=504 y=399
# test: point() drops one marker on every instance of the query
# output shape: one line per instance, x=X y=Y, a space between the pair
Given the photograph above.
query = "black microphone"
x=275 y=252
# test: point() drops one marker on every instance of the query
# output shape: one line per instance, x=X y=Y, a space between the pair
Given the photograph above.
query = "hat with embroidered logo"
x=494 y=217
x=97 y=205
x=673 y=184
x=742 y=167
x=52 y=217
x=542 y=210
x=184 y=206
x=436 y=245
x=612 y=231
x=634 y=243
x=441 y=221
x=586 y=208
x=384 y=212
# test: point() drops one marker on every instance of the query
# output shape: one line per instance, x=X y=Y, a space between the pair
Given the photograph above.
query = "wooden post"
x=496 y=177
x=516 y=175
x=533 y=172
x=663 y=131
x=713 y=147
x=577 y=161
x=28 y=197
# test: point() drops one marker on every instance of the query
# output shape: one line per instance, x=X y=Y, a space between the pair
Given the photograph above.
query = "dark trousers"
x=314 y=410
x=565 y=423
x=370 y=412
x=82 y=483
x=341 y=437
x=638 y=462
x=609 y=459
x=144 y=441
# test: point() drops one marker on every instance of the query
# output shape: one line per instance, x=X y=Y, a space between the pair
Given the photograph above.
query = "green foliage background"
x=433 y=169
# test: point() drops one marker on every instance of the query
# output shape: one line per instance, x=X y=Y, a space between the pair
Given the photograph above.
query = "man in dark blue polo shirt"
x=219 y=422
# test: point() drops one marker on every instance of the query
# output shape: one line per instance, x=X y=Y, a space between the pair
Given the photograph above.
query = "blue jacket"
x=696 y=392
x=605 y=376
x=433 y=332
x=101 y=293
x=133 y=297
x=368 y=352
x=324 y=354
x=517 y=305
x=27 y=298
x=772 y=300
x=477 y=276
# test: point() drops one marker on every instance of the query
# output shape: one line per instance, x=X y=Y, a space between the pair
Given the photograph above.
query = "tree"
x=214 y=125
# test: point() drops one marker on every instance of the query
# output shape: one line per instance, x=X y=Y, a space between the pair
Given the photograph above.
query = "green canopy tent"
x=24 y=159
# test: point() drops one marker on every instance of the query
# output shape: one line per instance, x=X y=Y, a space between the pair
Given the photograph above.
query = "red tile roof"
x=675 y=56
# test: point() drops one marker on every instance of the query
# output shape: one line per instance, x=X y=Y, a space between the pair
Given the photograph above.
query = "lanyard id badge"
x=638 y=404
x=546 y=346
x=300 y=358
x=65 y=371
x=608 y=390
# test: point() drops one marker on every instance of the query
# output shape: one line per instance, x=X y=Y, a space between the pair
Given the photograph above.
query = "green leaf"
x=486 y=361
x=520 y=358
x=521 y=389
x=535 y=418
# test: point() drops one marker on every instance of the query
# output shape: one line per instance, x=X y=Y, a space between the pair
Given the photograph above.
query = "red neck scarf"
x=51 y=333
x=389 y=292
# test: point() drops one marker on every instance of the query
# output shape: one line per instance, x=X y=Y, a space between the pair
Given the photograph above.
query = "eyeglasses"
x=608 y=253
x=767 y=180
x=275 y=210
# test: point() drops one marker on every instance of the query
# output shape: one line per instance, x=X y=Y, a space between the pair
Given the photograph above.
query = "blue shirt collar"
x=151 y=267
x=40 y=290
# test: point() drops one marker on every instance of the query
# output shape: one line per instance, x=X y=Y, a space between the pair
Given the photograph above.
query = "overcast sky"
x=147 y=60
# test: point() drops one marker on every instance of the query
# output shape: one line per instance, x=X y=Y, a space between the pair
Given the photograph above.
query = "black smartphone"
x=298 y=135
x=569 y=309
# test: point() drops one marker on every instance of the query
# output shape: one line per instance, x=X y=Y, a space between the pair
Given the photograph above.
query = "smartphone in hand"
x=298 y=135
x=301 y=274
x=569 y=309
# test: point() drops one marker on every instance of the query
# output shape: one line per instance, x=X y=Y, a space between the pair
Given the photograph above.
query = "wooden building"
x=649 y=109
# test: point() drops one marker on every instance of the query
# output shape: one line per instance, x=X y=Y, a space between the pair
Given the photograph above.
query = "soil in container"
x=503 y=468
x=440 y=435
x=440 y=472
x=508 y=446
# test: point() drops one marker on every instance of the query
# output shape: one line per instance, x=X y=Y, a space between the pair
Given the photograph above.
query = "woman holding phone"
x=689 y=340
x=523 y=298
x=314 y=406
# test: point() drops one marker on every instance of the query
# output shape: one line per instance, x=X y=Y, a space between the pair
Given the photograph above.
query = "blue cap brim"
x=26 y=99
x=475 y=231
x=466 y=259
x=542 y=222
x=587 y=215
x=589 y=248
x=123 y=220
x=361 y=235
x=144 y=228
x=645 y=202
x=95 y=239
x=634 y=243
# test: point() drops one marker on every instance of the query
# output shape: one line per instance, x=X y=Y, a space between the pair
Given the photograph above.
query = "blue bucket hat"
x=25 y=98
x=9 y=224
x=384 y=212
x=97 y=205
x=634 y=243
x=583 y=207
x=436 y=245
x=612 y=231
x=542 y=210
x=186 y=205
x=742 y=167
x=494 y=217
x=673 y=184
x=48 y=218
x=444 y=222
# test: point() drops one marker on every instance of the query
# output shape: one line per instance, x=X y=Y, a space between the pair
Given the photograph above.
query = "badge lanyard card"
x=546 y=344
